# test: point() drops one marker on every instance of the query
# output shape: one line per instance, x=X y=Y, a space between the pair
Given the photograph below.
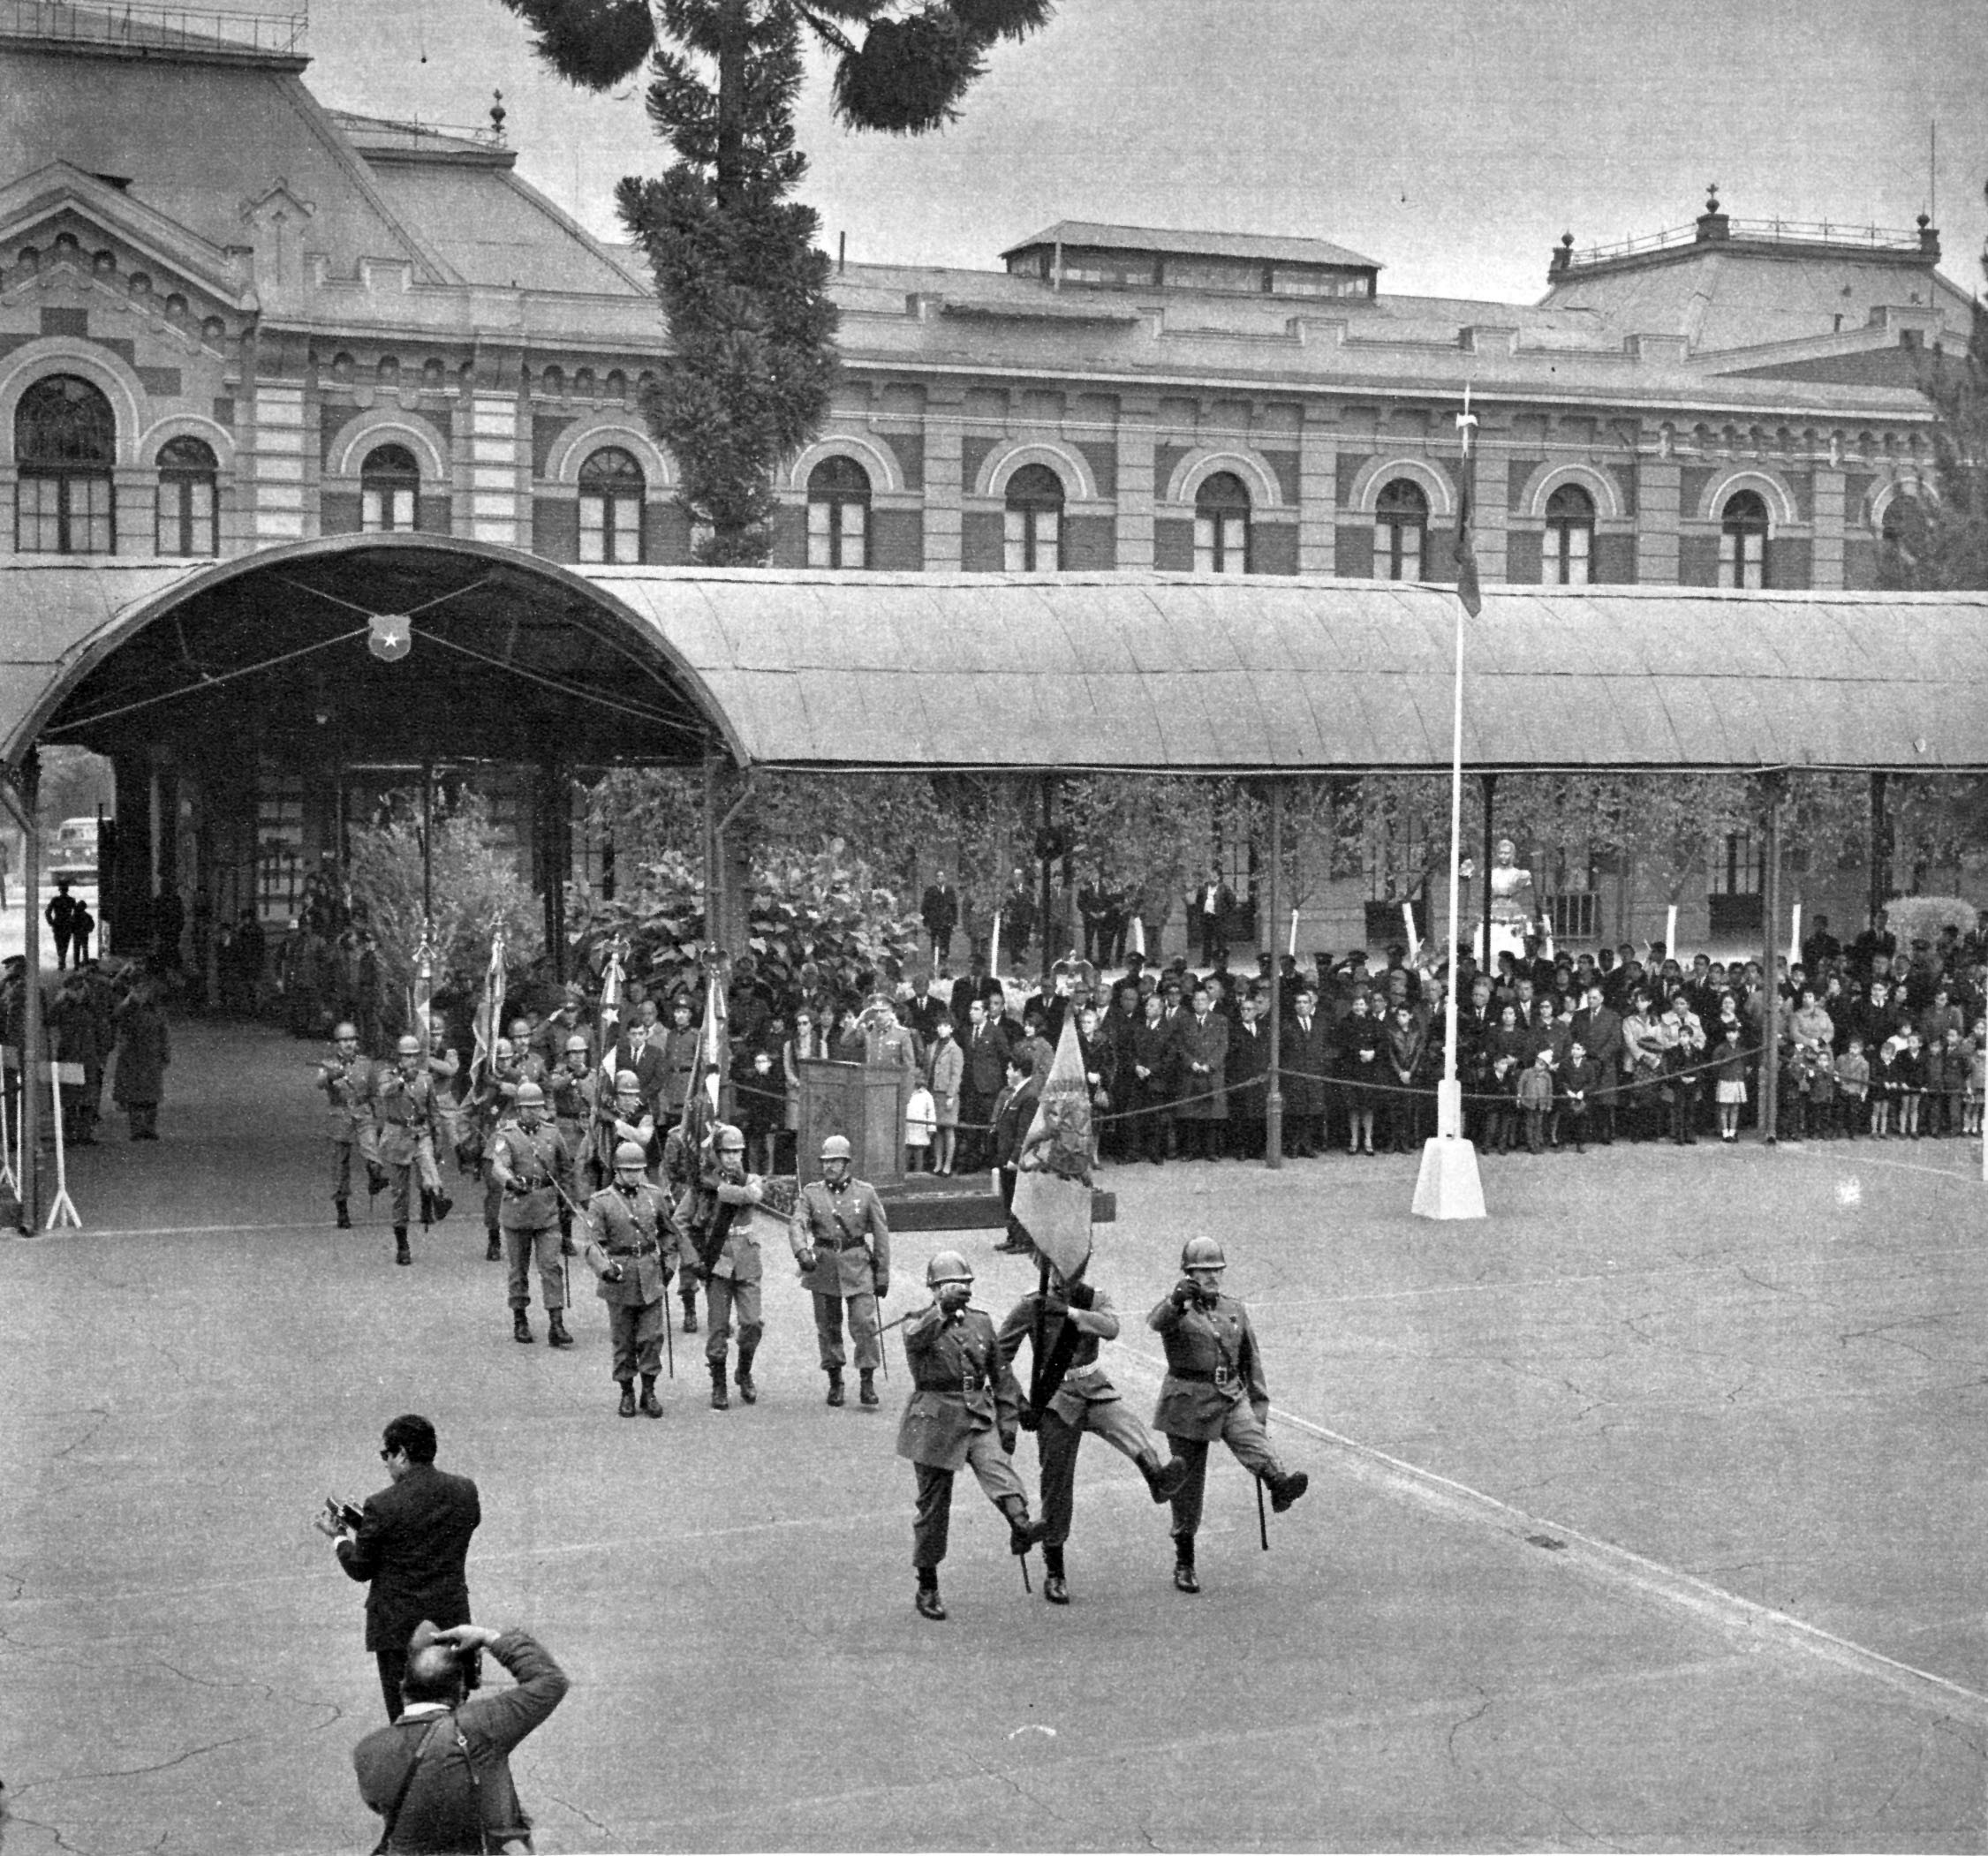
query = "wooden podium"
x=864 y=1104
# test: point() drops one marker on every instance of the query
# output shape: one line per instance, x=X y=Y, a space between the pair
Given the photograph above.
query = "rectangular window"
x=820 y=534
x=1564 y=561
x=1212 y=274
x=593 y=529
x=38 y=525
x=1397 y=551
x=1734 y=865
x=186 y=523
x=89 y=516
x=386 y=509
x=1742 y=559
x=1029 y=541
x=854 y=554
x=1221 y=544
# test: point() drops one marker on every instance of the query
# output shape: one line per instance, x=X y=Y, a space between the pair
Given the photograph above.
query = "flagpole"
x=1448 y=1186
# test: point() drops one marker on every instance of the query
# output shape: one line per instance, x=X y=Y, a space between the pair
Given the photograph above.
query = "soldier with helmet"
x=406 y=1109
x=572 y=1089
x=629 y=1239
x=1070 y=1394
x=620 y=1118
x=532 y=1168
x=1214 y=1388
x=347 y=1077
x=490 y=1108
x=841 y=1239
x=964 y=1410
x=724 y=1236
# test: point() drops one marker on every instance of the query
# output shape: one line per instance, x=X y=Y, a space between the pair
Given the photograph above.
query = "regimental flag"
x=611 y=984
x=1053 y=1175
x=1464 y=552
x=714 y=1047
x=489 y=1012
x=420 y=993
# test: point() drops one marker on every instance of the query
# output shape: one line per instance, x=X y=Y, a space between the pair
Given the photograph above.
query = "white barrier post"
x=63 y=1210
x=8 y=1177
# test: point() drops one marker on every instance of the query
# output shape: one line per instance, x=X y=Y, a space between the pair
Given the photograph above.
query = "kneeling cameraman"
x=440 y=1776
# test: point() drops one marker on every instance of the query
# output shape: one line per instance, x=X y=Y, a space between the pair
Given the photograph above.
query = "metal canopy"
x=1128 y=671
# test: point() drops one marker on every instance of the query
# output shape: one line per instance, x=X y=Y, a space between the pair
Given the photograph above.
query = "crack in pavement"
x=606 y=1829
x=1457 y=1727
x=102 y=1414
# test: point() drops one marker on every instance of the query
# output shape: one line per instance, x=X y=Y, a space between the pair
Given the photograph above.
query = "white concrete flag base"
x=1447 y=1184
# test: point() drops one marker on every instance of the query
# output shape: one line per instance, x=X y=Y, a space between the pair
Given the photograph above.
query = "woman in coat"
x=144 y=1050
x=1361 y=1039
x=945 y=1069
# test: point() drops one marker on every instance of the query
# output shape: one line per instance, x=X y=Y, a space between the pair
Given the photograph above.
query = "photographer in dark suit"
x=411 y=1542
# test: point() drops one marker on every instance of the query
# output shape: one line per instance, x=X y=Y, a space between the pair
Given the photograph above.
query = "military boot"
x=1184 y=1579
x=1054 y=1587
x=555 y=1331
x=927 y=1599
x=402 y=1254
x=652 y=1406
x=493 y=1251
x=866 y=1384
x=520 y=1328
x=747 y=1391
x=443 y=1205
x=1162 y=1480
x=345 y=1214
x=689 y=1311
x=719 y=1401
x=427 y=1209
x=627 y=1405
x=834 y=1386
x=1285 y=1489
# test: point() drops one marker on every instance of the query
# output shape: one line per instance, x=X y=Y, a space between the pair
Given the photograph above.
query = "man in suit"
x=1249 y=1066
x=640 y=1049
x=1307 y=1055
x=411 y=1545
x=1208 y=911
x=985 y=1076
x=939 y=909
x=1203 y=1042
x=1598 y=1030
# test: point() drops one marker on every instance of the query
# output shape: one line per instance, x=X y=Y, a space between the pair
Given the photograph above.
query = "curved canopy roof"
x=1166 y=673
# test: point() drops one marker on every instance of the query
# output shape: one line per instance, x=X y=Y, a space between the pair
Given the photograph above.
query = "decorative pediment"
x=60 y=225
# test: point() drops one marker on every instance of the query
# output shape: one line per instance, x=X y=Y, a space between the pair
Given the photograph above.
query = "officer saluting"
x=628 y=1226
x=529 y=1164
x=403 y=1103
x=1212 y=1363
x=964 y=1410
x=841 y=1240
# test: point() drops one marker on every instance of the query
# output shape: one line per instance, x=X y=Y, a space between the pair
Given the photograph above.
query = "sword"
x=1263 y=1526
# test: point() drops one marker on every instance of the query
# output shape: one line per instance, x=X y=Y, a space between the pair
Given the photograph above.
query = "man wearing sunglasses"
x=411 y=1545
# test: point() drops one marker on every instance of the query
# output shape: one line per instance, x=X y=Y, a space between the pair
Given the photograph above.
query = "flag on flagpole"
x=1053 y=1175
x=1463 y=553
x=993 y=946
x=610 y=993
x=715 y=1044
x=1138 y=937
x=490 y=1011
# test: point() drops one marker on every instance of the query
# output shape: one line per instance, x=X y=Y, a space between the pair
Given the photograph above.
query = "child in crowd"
x=1954 y=1060
x=1885 y=1084
x=945 y=1073
x=1728 y=1072
x=1932 y=1076
x=1536 y=1098
x=1853 y=1087
x=921 y=1118
x=1577 y=1082
x=1909 y=1072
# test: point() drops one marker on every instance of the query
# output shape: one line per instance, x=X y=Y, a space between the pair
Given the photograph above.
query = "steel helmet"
x=629 y=1153
x=836 y=1147
x=723 y=1134
x=408 y=1045
x=530 y=1096
x=1202 y=1253
x=627 y=1084
x=340 y=1033
x=577 y=1041
x=520 y=1030
x=948 y=1266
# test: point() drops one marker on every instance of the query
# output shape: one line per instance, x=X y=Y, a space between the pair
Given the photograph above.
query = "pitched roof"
x=1098 y=237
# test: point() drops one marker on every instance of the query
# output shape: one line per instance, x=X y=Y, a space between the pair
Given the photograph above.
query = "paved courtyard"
x=1646 y=1515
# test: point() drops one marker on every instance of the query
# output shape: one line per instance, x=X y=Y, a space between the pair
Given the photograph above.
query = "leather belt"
x=840 y=1243
x=1222 y=1375
x=647 y=1247
x=967 y=1382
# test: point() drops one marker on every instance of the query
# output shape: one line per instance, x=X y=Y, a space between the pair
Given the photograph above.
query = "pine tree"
x=744 y=289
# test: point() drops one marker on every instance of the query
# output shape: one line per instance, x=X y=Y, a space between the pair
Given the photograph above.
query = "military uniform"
x=678 y=1168
x=845 y=1227
x=572 y=1099
x=408 y=1110
x=723 y=1235
x=1071 y=1394
x=963 y=1412
x=635 y=1230
x=348 y=1082
x=1214 y=1388
x=529 y=1218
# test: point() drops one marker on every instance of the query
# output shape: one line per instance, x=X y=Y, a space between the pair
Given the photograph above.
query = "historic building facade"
x=231 y=318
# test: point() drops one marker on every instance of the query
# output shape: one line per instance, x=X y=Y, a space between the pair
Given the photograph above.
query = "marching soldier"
x=725 y=1238
x=681 y=1148
x=491 y=1108
x=841 y=1240
x=572 y=1088
x=629 y=1226
x=405 y=1106
x=347 y=1078
x=530 y=1167
x=1214 y=1388
x=1069 y=1394
x=621 y=1118
x=964 y=1410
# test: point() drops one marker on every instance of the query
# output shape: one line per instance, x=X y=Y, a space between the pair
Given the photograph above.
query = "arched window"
x=1569 y=548
x=1034 y=534
x=390 y=484
x=187 y=521
x=838 y=514
x=1401 y=522
x=1900 y=531
x=1222 y=525
x=1742 y=540
x=65 y=442
x=611 y=490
